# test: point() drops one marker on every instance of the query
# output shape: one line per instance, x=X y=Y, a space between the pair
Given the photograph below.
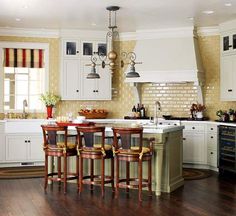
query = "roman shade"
x=30 y=58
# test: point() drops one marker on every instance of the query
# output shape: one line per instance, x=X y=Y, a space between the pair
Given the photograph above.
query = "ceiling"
x=133 y=14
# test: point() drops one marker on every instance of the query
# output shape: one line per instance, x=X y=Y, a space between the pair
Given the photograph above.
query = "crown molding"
x=208 y=31
x=24 y=32
x=82 y=33
x=158 y=33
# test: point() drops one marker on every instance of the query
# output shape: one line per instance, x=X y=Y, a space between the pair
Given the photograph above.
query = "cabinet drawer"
x=194 y=127
x=212 y=141
x=212 y=128
x=212 y=158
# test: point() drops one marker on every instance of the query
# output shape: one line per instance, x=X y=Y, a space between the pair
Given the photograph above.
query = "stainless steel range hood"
x=172 y=57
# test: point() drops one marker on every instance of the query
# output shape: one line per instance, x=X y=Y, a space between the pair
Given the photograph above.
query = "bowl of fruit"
x=93 y=113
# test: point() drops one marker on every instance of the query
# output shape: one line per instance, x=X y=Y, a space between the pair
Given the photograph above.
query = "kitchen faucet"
x=25 y=104
x=156 y=108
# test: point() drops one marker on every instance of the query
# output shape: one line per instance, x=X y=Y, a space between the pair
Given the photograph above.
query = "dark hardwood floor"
x=210 y=196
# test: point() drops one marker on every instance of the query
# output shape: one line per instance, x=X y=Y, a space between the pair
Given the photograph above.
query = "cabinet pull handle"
x=230 y=90
x=230 y=46
x=184 y=138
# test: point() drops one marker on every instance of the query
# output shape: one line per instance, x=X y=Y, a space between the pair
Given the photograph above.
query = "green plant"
x=220 y=113
x=49 y=99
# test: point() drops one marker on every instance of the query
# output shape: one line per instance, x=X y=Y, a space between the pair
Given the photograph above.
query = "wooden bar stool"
x=52 y=134
x=127 y=151
x=87 y=137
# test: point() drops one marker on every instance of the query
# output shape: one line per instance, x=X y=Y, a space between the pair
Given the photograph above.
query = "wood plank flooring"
x=210 y=196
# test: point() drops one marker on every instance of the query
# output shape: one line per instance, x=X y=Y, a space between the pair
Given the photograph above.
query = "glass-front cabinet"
x=229 y=43
x=91 y=47
x=71 y=48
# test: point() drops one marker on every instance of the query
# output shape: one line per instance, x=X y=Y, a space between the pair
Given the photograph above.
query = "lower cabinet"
x=194 y=143
x=24 y=148
x=194 y=149
x=212 y=145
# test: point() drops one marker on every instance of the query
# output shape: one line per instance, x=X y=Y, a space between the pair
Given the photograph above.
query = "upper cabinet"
x=95 y=89
x=228 y=43
x=227 y=78
x=71 y=48
x=90 y=47
x=75 y=67
x=228 y=61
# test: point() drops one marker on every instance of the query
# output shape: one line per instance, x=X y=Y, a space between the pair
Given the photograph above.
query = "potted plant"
x=50 y=100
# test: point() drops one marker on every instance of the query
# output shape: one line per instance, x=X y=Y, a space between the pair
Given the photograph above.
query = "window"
x=23 y=75
x=23 y=83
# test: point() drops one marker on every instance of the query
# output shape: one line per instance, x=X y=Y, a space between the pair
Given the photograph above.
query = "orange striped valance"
x=31 y=58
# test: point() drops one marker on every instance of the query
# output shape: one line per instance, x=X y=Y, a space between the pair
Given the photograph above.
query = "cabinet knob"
x=25 y=141
x=77 y=51
x=211 y=128
x=77 y=90
x=212 y=153
x=28 y=141
x=193 y=128
x=184 y=138
x=230 y=90
x=212 y=137
x=94 y=91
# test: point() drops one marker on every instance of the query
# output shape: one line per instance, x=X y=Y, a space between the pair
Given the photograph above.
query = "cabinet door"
x=71 y=48
x=228 y=43
x=212 y=158
x=227 y=77
x=36 y=152
x=87 y=48
x=2 y=147
x=71 y=79
x=194 y=148
x=16 y=148
x=95 y=89
x=104 y=84
x=89 y=86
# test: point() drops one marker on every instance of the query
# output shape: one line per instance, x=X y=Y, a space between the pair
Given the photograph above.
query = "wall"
x=176 y=99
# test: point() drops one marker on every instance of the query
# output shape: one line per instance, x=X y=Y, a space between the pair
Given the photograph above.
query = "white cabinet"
x=90 y=47
x=74 y=84
x=212 y=145
x=24 y=148
x=228 y=42
x=95 y=89
x=228 y=77
x=194 y=144
x=71 y=80
x=71 y=48
x=2 y=142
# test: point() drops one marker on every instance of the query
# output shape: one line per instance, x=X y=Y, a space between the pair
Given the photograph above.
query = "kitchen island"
x=167 y=158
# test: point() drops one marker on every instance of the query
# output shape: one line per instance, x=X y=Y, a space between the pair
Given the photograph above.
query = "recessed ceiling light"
x=190 y=18
x=93 y=24
x=228 y=4
x=208 y=12
x=25 y=6
x=18 y=19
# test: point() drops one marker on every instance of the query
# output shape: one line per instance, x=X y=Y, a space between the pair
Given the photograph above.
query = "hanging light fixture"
x=112 y=34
